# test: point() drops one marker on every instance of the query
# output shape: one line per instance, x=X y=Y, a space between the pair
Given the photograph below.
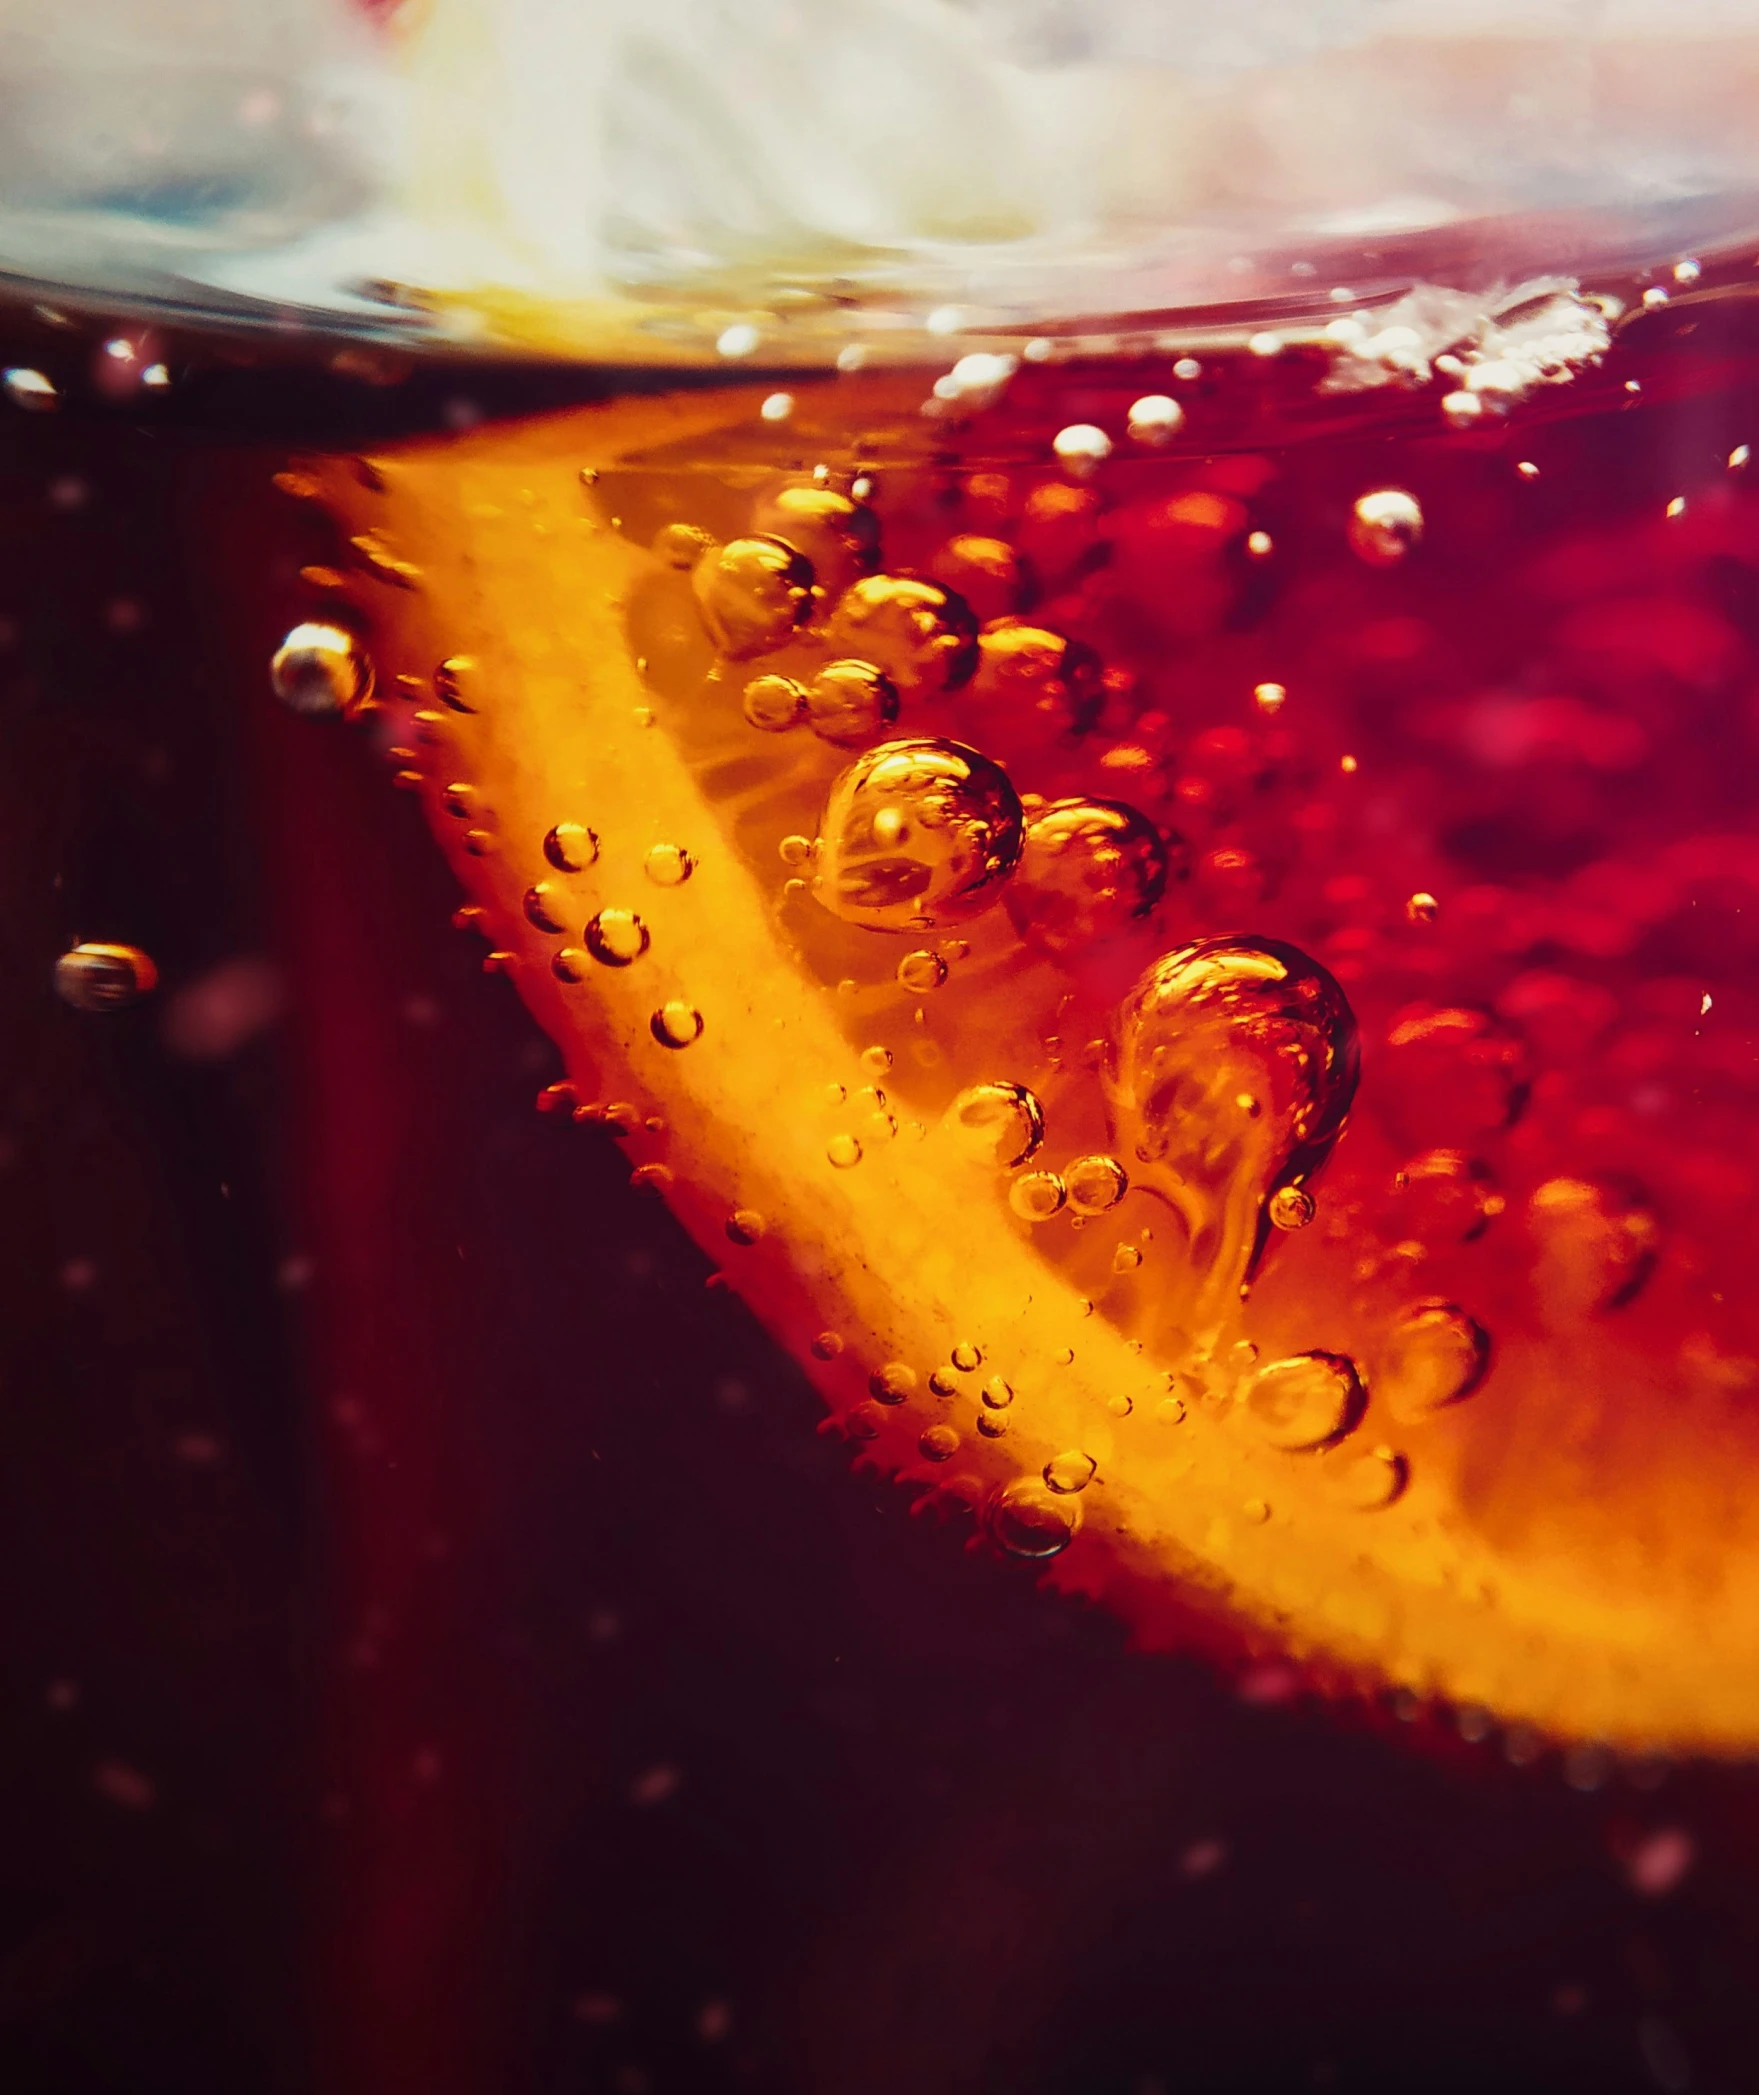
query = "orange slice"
x=998 y=1176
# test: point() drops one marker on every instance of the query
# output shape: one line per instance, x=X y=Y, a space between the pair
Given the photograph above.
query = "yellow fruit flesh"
x=1602 y=1611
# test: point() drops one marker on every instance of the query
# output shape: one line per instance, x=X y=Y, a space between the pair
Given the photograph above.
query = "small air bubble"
x=1081 y=448
x=321 y=669
x=1069 y=1472
x=1687 y=271
x=1155 y=420
x=676 y=1024
x=95 y=977
x=1259 y=545
x=1422 y=908
x=1265 y=344
x=938 y=1443
x=1037 y=1195
x=1527 y=469
x=1095 y=1184
x=1291 y=1207
x=1655 y=296
x=738 y=340
x=1269 y=698
x=29 y=389
x=616 y=937
x=1677 y=507
x=774 y=704
x=777 y=407
x=1460 y=410
x=668 y=865
x=921 y=972
x=843 y=1152
x=1385 y=525
x=1739 y=457
x=1187 y=368
x=571 y=847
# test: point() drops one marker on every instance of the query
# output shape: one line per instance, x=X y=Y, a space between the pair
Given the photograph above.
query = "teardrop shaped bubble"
x=1088 y=870
x=917 y=833
x=1305 y=1402
x=752 y=594
x=1028 y=1520
x=321 y=669
x=97 y=977
x=848 y=703
x=999 y=1123
x=1232 y=1067
x=1598 y=1243
x=1435 y=1354
x=922 y=634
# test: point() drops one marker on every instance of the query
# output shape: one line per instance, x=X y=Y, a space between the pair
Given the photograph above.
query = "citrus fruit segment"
x=1074 y=1209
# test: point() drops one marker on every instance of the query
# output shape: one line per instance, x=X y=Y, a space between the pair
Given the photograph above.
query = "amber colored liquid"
x=1494 y=774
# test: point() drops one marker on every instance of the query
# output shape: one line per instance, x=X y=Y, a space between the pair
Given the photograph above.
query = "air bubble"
x=1002 y=1123
x=456 y=683
x=752 y=595
x=1088 y=870
x=681 y=545
x=98 y=977
x=32 y=390
x=1095 y=1184
x=1305 y=1402
x=1035 y=1196
x=668 y=865
x=1422 y=908
x=938 y=1443
x=1446 y=1197
x=745 y=1226
x=1081 y=449
x=1030 y=670
x=843 y=1152
x=571 y=847
x=895 y=1383
x=1026 y=1520
x=774 y=704
x=876 y=1060
x=1369 y=1481
x=1435 y=1354
x=540 y=908
x=839 y=535
x=966 y=1357
x=986 y=572
x=321 y=669
x=616 y=937
x=1155 y=420
x=1069 y=1472
x=676 y=1024
x=922 y=634
x=848 y=703
x=1269 y=698
x=1126 y=1259
x=827 y=1345
x=1598 y=1245
x=1384 y=526
x=1218 y=1022
x=1291 y=1207
x=997 y=1393
x=921 y=972
x=917 y=833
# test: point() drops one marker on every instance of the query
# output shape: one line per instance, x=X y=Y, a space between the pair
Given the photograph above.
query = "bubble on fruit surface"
x=843 y=1151
x=1030 y=670
x=1450 y=1071
x=1384 y=526
x=1027 y=1519
x=668 y=865
x=1291 y=1208
x=1095 y=1184
x=676 y=1024
x=773 y=704
x=457 y=683
x=571 y=847
x=1305 y=1402
x=540 y=906
x=1435 y=1354
x=938 y=1443
x=1232 y=1067
x=917 y=833
x=616 y=937
x=999 y=1123
x=966 y=1356
x=921 y=633
x=1155 y=420
x=839 y=535
x=997 y=1393
x=1367 y=1480
x=100 y=977
x=895 y=1383
x=1069 y=1472
x=922 y=972
x=745 y=1226
x=1444 y=1196
x=752 y=594
x=1088 y=870
x=848 y=703
x=1597 y=1246
x=1036 y=1196
x=321 y=669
